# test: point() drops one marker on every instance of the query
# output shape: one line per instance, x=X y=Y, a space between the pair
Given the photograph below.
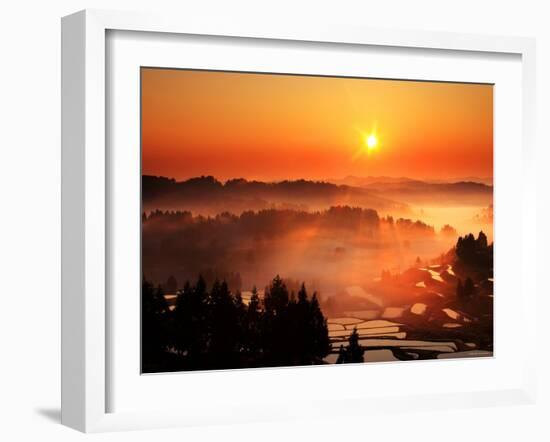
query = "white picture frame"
x=86 y=202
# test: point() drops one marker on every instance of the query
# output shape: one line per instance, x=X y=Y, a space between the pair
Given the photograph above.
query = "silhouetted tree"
x=213 y=329
x=276 y=324
x=154 y=309
x=320 y=343
x=276 y=297
x=253 y=327
x=475 y=252
x=299 y=312
x=241 y=313
x=341 y=355
x=466 y=248
x=459 y=290
x=307 y=330
x=481 y=241
x=465 y=292
x=355 y=350
x=191 y=327
x=223 y=324
x=171 y=285
x=353 y=353
x=469 y=288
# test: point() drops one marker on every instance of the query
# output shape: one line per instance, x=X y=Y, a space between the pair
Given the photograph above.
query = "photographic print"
x=296 y=220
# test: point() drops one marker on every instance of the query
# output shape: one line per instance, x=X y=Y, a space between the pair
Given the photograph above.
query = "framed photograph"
x=338 y=219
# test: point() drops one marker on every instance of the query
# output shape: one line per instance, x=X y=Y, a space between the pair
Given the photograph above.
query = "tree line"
x=475 y=252
x=213 y=328
x=475 y=259
x=279 y=220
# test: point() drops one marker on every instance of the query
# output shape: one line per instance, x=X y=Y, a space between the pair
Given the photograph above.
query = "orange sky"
x=274 y=127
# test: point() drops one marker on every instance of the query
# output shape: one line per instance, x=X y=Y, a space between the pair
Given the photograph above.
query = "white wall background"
x=30 y=214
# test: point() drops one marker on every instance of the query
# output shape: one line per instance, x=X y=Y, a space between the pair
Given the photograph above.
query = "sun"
x=371 y=141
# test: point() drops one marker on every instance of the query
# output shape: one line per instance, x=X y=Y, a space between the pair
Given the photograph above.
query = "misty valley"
x=247 y=273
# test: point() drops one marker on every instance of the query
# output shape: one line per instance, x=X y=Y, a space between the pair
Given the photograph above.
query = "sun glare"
x=371 y=141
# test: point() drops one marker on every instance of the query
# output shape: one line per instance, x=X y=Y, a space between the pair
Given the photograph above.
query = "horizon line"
x=332 y=180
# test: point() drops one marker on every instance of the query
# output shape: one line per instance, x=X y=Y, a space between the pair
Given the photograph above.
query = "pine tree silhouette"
x=355 y=350
x=469 y=288
x=459 y=290
x=171 y=285
x=341 y=355
x=353 y=353
x=214 y=329
x=155 y=333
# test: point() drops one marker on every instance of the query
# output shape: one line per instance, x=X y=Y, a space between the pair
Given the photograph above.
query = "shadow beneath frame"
x=51 y=414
